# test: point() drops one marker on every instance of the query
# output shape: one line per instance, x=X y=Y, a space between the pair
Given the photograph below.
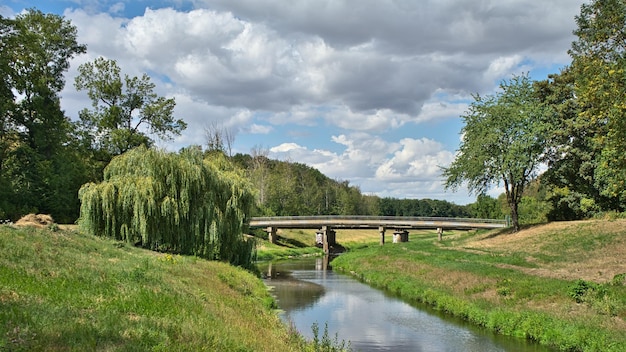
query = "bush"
x=595 y=295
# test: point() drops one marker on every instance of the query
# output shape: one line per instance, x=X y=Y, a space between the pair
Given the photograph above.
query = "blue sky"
x=367 y=91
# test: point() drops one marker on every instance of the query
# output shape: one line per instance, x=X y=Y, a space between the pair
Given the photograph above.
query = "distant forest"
x=288 y=188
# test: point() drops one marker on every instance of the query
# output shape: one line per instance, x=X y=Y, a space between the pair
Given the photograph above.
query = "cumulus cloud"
x=344 y=86
x=417 y=159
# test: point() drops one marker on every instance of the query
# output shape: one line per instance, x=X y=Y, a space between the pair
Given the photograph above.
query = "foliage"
x=533 y=211
x=219 y=138
x=595 y=295
x=503 y=140
x=421 y=207
x=599 y=58
x=326 y=344
x=123 y=108
x=179 y=203
x=290 y=189
x=571 y=156
x=486 y=207
x=39 y=168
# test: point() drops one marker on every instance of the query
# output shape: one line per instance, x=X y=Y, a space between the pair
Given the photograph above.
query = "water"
x=370 y=319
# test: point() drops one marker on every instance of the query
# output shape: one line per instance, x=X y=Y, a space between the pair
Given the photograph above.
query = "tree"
x=572 y=156
x=174 y=202
x=219 y=138
x=258 y=172
x=486 y=207
x=35 y=135
x=599 y=61
x=124 y=110
x=503 y=143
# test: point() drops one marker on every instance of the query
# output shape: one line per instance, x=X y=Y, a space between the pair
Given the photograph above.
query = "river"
x=309 y=292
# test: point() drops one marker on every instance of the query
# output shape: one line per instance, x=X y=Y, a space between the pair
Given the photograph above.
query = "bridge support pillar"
x=439 y=233
x=400 y=236
x=271 y=234
x=327 y=237
x=381 y=231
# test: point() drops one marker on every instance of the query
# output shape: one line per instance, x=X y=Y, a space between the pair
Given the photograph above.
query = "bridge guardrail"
x=377 y=218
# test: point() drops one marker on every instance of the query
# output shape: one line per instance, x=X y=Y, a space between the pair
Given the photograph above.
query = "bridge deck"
x=365 y=222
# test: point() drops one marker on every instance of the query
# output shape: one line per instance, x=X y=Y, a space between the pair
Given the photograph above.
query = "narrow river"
x=370 y=319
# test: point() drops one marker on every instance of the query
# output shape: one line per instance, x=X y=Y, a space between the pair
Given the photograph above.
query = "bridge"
x=401 y=224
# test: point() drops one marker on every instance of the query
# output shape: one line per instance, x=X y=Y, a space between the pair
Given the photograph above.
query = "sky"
x=366 y=91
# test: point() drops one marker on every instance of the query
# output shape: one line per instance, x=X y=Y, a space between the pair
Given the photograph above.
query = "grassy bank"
x=560 y=284
x=66 y=291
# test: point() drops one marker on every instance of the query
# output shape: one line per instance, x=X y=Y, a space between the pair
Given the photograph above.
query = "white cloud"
x=258 y=129
x=333 y=84
x=410 y=168
x=286 y=147
x=503 y=66
x=441 y=109
x=117 y=8
x=418 y=159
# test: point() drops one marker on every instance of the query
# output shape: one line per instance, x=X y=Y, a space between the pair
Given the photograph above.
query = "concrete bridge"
x=400 y=224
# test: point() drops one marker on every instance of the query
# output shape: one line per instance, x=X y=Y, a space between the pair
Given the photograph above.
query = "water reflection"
x=370 y=319
x=291 y=294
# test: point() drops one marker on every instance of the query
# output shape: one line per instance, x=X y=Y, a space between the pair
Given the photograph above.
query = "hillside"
x=66 y=291
x=591 y=250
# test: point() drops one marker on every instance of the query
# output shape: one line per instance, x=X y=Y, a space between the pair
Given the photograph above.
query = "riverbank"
x=561 y=284
x=61 y=290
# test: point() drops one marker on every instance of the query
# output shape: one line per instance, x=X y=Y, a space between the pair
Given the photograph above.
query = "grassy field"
x=560 y=284
x=66 y=291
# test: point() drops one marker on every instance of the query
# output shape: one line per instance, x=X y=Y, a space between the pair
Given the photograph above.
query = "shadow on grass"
x=290 y=242
x=510 y=230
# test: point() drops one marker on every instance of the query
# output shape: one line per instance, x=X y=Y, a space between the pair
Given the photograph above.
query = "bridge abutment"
x=381 y=231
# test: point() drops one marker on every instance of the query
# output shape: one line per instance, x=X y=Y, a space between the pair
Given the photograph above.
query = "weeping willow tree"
x=175 y=202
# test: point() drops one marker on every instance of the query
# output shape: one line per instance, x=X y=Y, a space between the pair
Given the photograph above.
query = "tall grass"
x=65 y=291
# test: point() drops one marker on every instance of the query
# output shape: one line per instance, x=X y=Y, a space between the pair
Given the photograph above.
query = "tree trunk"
x=514 y=215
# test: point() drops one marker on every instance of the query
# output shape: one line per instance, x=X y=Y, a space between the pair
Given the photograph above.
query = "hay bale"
x=36 y=220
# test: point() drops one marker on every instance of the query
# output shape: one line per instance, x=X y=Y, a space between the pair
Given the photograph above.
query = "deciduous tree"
x=503 y=143
x=599 y=66
x=176 y=202
x=35 y=134
x=125 y=110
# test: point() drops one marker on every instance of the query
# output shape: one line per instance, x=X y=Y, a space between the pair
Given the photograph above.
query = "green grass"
x=67 y=291
x=290 y=244
x=497 y=288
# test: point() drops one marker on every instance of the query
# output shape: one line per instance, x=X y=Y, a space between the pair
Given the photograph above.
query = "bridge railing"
x=376 y=218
